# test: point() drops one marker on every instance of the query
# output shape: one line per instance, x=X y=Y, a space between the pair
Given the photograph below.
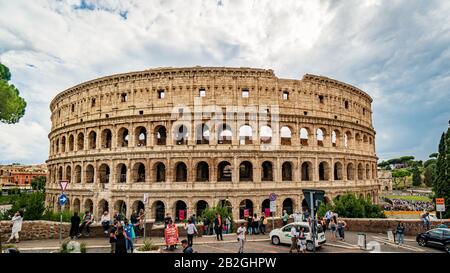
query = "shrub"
x=148 y=246
x=32 y=205
x=210 y=213
x=350 y=206
x=50 y=215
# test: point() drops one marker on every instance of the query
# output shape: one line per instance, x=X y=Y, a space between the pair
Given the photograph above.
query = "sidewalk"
x=53 y=244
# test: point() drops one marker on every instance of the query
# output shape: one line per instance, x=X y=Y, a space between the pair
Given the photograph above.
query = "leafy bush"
x=32 y=205
x=50 y=215
x=350 y=206
x=210 y=213
x=148 y=246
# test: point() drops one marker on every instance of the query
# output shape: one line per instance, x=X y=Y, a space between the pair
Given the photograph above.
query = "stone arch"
x=202 y=171
x=350 y=171
x=324 y=171
x=265 y=205
x=224 y=134
x=320 y=136
x=106 y=138
x=181 y=134
x=307 y=171
x=267 y=171
x=121 y=207
x=288 y=205
x=161 y=135
x=77 y=174
x=180 y=205
x=69 y=173
x=245 y=171
x=181 y=173
x=88 y=205
x=360 y=171
x=71 y=142
x=121 y=172
x=338 y=171
x=159 y=170
x=348 y=139
x=123 y=137
x=286 y=135
x=63 y=144
x=103 y=173
x=137 y=206
x=265 y=134
x=200 y=207
x=245 y=135
x=158 y=211
x=90 y=172
x=103 y=205
x=76 y=205
x=304 y=136
x=92 y=139
x=140 y=135
x=367 y=171
x=202 y=134
x=335 y=138
x=245 y=204
x=224 y=171
x=286 y=171
x=60 y=173
x=138 y=172
x=80 y=142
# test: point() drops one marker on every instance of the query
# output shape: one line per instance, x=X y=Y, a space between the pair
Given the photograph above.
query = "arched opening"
x=347 y=139
x=180 y=210
x=123 y=137
x=89 y=174
x=121 y=207
x=121 y=173
x=306 y=171
x=202 y=171
x=92 y=140
x=245 y=135
x=57 y=146
x=224 y=171
x=201 y=206
x=103 y=206
x=304 y=135
x=367 y=171
x=80 y=142
x=225 y=134
x=265 y=207
x=350 y=171
x=320 y=135
x=161 y=135
x=245 y=208
x=160 y=172
x=60 y=173
x=335 y=135
x=69 y=173
x=338 y=171
x=71 y=143
x=360 y=172
x=181 y=135
x=139 y=172
x=141 y=136
x=88 y=205
x=76 y=205
x=286 y=171
x=324 y=170
x=246 y=171
x=137 y=206
x=358 y=140
x=202 y=134
x=265 y=135
x=77 y=174
x=266 y=171
x=286 y=135
x=159 y=211
x=305 y=206
x=104 y=173
x=106 y=138
x=180 y=172
x=63 y=144
x=288 y=205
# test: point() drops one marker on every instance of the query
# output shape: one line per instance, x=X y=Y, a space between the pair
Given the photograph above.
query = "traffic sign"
x=272 y=197
x=440 y=204
x=63 y=184
x=62 y=199
x=273 y=206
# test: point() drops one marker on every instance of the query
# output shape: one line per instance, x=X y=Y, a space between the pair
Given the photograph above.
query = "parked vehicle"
x=437 y=237
x=282 y=235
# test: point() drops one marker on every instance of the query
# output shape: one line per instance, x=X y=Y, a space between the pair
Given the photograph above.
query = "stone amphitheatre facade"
x=196 y=137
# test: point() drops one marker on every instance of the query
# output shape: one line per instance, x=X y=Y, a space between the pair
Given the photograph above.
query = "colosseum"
x=195 y=137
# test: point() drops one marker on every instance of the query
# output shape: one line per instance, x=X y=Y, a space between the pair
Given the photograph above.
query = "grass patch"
x=409 y=198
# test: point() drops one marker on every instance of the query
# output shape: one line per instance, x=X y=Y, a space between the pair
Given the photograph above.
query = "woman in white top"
x=106 y=221
x=16 y=222
x=191 y=230
x=242 y=236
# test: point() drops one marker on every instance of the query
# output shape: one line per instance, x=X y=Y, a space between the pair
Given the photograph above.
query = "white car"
x=283 y=235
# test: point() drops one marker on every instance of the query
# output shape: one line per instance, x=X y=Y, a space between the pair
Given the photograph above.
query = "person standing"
x=206 y=223
x=129 y=235
x=262 y=226
x=167 y=219
x=141 y=221
x=328 y=215
x=105 y=220
x=302 y=240
x=186 y=247
x=16 y=223
x=255 y=224
x=121 y=240
x=400 y=233
x=250 y=225
x=285 y=217
x=297 y=217
x=87 y=221
x=134 y=220
x=228 y=224
x=242 y=237
x=333 y=229
x=218 y=226
x=294 y=238
x=341 y=225
x=191 y=230
x=74 y=225
x=426 y=220
x=113 y=237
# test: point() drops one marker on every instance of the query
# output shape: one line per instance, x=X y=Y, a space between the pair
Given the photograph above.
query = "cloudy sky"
x=397 y=51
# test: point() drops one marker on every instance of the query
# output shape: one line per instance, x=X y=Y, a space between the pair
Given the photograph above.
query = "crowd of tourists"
x=402 y=205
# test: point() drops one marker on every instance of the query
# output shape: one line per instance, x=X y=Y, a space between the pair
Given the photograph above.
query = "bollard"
x=362 y=241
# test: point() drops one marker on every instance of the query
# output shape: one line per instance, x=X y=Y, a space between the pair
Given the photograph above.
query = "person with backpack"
x=129 y=235
x=400 y=234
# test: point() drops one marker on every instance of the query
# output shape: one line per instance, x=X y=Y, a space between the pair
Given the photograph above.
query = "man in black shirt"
x=186 y=247
x=74 y=225
x=112 y=236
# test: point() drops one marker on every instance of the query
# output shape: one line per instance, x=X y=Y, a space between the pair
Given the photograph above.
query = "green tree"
x=441 y=184
x=416 y=178
x=32 y=205
x=12 y=106
x=429 y=174
x=400 y=176
x=433 y=155
x=38 y=183
x=350 y=206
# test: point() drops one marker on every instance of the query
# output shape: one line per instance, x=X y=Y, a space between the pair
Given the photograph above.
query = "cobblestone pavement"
x=255 y=244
